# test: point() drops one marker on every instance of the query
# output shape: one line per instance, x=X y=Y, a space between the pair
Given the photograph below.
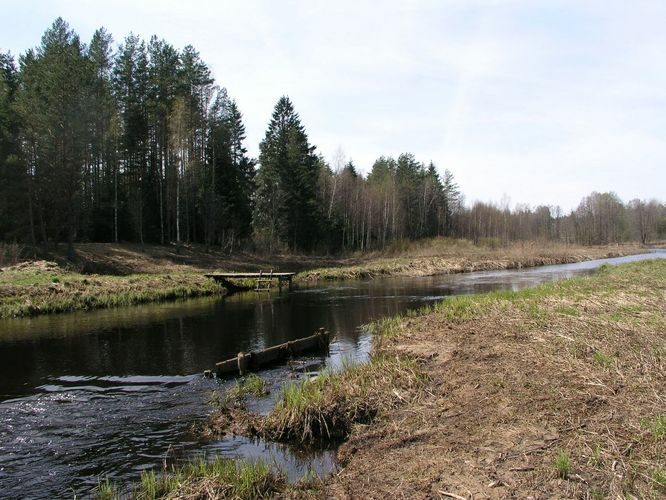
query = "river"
x=110 y=393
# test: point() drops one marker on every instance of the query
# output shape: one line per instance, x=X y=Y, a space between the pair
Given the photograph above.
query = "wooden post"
x=243 y=362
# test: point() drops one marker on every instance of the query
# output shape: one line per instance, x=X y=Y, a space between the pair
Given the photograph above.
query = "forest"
x=136 y=142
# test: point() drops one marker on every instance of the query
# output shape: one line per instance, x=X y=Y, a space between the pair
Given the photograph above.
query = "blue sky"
x=537 y=102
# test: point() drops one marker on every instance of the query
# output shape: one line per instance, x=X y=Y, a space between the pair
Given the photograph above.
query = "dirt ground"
x=555 y=395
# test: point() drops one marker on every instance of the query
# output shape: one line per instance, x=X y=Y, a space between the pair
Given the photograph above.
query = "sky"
x=532 y=102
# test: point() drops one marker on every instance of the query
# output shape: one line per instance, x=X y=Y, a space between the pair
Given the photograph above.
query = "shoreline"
x=433 y=266
x=41 y=287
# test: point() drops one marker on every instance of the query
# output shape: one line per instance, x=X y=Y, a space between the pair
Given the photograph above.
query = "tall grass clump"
x=326 y=407
x=107 y=490
x=221 y=478
x=250 y=385
x=563 y=464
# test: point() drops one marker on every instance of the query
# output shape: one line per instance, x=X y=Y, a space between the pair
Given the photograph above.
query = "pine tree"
x=55 y=86
x=13 y=201
x=101 y=176
x=163 y=68
x=130 y=79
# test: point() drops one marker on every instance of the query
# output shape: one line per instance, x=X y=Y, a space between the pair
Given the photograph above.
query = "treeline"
x=136 y=142
x=600 y=218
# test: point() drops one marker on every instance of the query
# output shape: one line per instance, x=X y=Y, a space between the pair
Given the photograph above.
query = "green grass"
x=221 y=478
x=35 y=292
x=250 y=385
x=657 y=426
x=659 y=477
x=388 y=326
x=107 y=490
x=562 y=464
x=567 y=311
x=595 y=458
x=607 y=279
x=602 y=359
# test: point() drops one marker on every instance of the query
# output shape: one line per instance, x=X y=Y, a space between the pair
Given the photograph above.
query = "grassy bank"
x=111 y=275
x=443 y=256
x=42 y=287
x=557 y=391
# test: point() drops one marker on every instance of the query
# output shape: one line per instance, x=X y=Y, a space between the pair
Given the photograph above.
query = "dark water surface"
x=114 y=392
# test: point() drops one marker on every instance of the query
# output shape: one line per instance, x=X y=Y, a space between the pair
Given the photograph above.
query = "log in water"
x=254 y=360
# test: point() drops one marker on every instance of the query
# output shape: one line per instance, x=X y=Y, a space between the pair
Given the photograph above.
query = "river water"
x=110 y=393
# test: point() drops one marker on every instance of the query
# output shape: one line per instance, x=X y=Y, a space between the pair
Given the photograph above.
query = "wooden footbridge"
x=262 y=281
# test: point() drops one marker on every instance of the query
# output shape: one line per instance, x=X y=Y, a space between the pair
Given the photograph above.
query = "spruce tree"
x=230 y=183
x=287 y=209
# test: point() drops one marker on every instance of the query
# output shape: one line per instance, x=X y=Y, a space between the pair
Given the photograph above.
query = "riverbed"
x=110 y=393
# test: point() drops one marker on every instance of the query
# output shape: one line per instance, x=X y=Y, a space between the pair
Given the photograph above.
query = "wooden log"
x=246 y=361
x=228 y=366
x=269 y=356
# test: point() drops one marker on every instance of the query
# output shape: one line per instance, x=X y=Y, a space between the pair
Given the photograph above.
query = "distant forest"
x=137 y=143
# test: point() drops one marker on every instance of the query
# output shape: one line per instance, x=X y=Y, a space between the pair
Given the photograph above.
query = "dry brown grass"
x=459 y=256
x=519 y=382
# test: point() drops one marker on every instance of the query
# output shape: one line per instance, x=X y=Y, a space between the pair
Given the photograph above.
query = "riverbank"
x=557 y=391
x=41 y=287
x=463 y=257
x=109 y=275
